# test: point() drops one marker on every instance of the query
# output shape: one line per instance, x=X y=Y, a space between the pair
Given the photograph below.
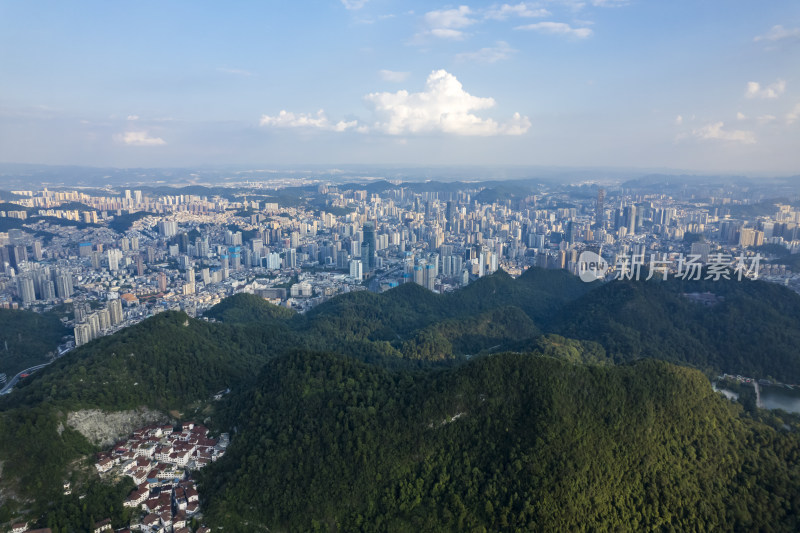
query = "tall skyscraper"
x=600 y=215
x=369 y=241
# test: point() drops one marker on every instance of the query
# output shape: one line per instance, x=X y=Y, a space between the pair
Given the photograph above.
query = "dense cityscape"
x=188 y=251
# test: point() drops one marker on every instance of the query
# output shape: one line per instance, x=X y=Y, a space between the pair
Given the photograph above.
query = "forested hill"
x=365 y=367
x=510 y=442
x=740 y=327
x=26 y=338
x=743 y=327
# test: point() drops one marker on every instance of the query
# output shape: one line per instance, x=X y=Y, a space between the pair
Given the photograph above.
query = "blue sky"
x=703 y=85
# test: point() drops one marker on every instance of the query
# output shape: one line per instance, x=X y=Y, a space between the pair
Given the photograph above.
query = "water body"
x=780 y=398
x=770 y=397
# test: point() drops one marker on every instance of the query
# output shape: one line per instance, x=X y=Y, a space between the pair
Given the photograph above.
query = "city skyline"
x=710 y=87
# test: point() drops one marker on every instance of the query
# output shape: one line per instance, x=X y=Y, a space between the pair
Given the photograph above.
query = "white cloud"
x=678 y=120
x=449 y=18
x=754 y=90
x=447 y=23
x=716 y=131
x=518 y=10
x=133 y=117
x=778 y=33
x=393 y=76
x=287 y=119
x=443 y=106
x=354 y=4
x=740 y=116
x=139 y=138
x=793 y=115
x=557 y=28
x=766 y=119
x=491 y=54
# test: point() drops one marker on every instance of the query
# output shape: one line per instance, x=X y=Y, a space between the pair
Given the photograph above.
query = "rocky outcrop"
x=104 y=428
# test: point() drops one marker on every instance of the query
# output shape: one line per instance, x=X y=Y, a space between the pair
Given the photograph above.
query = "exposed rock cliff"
x=104 y=428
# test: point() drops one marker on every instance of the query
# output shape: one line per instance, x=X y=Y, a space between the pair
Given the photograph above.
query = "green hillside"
x=26 y=338
x=511 y=442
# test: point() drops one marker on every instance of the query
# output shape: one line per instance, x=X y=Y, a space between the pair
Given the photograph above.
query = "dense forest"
x=26 y=338
x=510 y=442
x=408 y=410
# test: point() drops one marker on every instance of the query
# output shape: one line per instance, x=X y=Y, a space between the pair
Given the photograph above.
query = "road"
x=13 y=381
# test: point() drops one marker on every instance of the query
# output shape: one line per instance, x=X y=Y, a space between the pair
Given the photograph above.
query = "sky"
x=698 y=85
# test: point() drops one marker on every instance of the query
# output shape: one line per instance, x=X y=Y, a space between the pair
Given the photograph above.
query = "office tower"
x=369 y=240
x=630 y=219
x=115 y=311
x=162 y=282
x=599 y=216
x=25 y=290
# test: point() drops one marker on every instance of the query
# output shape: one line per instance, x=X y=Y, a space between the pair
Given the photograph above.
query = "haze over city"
x=708 y=87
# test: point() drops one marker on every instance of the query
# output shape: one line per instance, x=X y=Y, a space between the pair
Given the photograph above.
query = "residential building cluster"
x=160 y=460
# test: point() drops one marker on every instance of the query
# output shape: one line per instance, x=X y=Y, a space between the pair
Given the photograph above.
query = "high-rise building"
x=162 y=282
x=64 y=284
x=25 y=289
x=83 y=334
x=115 y=311
x=356 y=269
x=369 y=241
x=114 y=257
x=600 y=215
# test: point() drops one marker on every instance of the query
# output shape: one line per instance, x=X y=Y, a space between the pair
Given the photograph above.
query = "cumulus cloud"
x=393 y=76
x=740 y=115
x=557 y=28
x=287 y=119
x=678 y=120
x=779 y=33
x=754 y=90
x=717 y=131
x=491 y=54
x=139 y=138
x=354 y=4
x=444 y=106
x=133 y=117
x=517 y=10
